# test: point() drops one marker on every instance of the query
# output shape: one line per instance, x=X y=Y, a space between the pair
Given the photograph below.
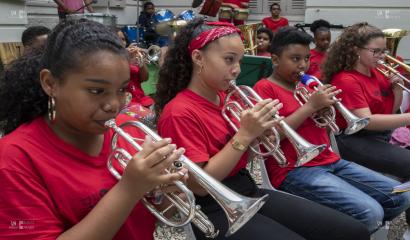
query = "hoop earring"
x=51 y=109
x=200 y=69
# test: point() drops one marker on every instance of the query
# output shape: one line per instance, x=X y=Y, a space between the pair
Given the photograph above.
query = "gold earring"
x=51 y=109
x=200 y=69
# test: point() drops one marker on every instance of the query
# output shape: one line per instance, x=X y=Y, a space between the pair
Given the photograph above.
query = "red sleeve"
x=134 y=74
x=286 y=22
x=352 y=94
x=186 y=132
x=265 y=22
x=26 y=208
x=264 y=90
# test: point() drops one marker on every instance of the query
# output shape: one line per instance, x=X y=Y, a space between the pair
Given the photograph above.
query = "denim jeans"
x=349 y=188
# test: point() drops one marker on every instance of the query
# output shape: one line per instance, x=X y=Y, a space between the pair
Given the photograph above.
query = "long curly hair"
x=70 y=43
x=342 y=54
x=176 y=72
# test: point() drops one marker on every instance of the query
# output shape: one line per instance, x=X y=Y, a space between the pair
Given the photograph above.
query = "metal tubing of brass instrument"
x=322 y=118
x=394 y=71
x=238 y=209
x=272 y=148
x=354 y=123
x=305 y=150
x=190 y=196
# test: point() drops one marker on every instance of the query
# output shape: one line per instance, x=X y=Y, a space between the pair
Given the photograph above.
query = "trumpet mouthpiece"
x=380 y=62
x=110 y=123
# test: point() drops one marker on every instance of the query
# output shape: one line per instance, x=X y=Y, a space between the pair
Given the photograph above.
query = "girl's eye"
x=123 y=90
x=295 y=59
x=95 y=91
x=229 y=59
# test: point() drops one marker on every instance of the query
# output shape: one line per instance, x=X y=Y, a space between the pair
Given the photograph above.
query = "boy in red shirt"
x=327 y=179
x=275 y=21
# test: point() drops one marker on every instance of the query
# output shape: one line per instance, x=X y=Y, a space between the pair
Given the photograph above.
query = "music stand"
x=254 y=68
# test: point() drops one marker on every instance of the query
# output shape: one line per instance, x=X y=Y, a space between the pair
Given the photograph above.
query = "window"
x=289 y=7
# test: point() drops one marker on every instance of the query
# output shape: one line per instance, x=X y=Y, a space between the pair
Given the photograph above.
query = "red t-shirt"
x=197 y=125
x=316 y=59
x=308 y=130
x=134 y=87
x=361 y=91
x=264 y=54
x=48 y=186
x=274 y=25
x=73 y=5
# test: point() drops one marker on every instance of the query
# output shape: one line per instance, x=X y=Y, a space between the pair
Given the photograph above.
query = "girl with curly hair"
x=189 y=99
x=54 y=180
x=351 y=66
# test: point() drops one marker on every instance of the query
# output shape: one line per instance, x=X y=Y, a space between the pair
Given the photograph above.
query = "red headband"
x=210 y=35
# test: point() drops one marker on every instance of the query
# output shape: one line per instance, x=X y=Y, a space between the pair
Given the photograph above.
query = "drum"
x=163 y=18
x=105 y=19
x=163 y=41
x=225 y=13
x=187 y=15
x=163 y=15
x=134 y=33
x=240 y=14
x=210 y=7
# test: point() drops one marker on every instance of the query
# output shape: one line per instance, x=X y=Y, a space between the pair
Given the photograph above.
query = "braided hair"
x=68 y=45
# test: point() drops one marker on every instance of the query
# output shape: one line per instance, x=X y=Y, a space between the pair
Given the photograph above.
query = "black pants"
x=283 y=216
x=373 y=150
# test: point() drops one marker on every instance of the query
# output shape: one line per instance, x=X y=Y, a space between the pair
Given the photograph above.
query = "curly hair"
x=68 y=46
x=342 y=54
x=267 y=31
x=176 y=72
x=319 y=26
x=21 y=95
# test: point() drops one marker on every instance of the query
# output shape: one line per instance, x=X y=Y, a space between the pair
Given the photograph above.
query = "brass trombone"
x=326 y=117
x=389 y=65
x=239 y=96
x=238 y=209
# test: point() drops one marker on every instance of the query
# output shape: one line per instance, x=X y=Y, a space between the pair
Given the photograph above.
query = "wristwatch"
x=237 y=145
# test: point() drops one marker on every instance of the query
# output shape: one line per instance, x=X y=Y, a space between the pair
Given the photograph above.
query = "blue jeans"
x=349 y=188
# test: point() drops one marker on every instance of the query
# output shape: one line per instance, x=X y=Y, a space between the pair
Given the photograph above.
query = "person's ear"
x=48 y=82
x=275 y=60
x=197 y=57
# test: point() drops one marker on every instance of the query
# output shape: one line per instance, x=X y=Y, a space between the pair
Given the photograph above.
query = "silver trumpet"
x=305 y=150
x=238 y=209
x=326 y=117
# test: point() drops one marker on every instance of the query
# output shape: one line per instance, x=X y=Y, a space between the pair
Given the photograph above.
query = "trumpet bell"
x=241 y=212
x=354 y=123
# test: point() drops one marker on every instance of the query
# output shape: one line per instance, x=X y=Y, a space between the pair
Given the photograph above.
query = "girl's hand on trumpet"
x=257 y=120
x=136 y=55
x=145 y=171
x=323 y=97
